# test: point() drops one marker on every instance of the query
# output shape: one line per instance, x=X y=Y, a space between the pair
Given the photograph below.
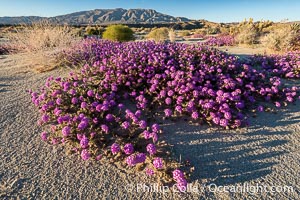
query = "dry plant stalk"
x=40 y=43
x=172 y=35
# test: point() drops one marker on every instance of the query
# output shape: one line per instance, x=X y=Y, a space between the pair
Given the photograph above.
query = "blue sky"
x=212 y=10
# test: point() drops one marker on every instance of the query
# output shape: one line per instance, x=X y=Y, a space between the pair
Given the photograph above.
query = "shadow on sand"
x=232 y=156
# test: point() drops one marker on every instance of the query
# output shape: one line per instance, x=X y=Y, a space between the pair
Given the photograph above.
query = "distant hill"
x=102 y=16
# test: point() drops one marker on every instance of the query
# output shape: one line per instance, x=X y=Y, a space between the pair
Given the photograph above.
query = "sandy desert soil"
x=267 y=153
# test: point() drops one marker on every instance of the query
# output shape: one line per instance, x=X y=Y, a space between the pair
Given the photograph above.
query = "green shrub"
x=159 y=34
x=119 y=33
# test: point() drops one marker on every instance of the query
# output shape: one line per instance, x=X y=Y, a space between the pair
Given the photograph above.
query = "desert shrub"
x=282 y=40
x=247 y=35
x=261 y=25
x=249 y=31
x=41 y=42
x=159 y=34
x=119 y=33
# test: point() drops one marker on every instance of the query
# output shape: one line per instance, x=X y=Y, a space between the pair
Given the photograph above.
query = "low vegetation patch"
x=220 y=40
x=286 y=65
x=159 y=34
x=104 y=111
x=119 y=33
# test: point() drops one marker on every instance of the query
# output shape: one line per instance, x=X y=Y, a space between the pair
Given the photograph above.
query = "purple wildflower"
x=115 y=148
x=104 y=128
x=66 y=131
x=140 y=158
x=168 y=101
x=54 y=141
x=74 y=100
x=224 y=122
x=146 y=134
x=85 y=155
x=168 y=112
x=178 y=175
x=181 y=185
x=125 y=125
x=83 y=124
x=84 y=142
x=90 y=93
x=131 y=160
x=277 y=104
x=143 y=124
x=158 y=163
x=195 y=115
x=44 y=136
x=260 y=108
x=59 y=101
x=128 y=149
x=155 y=128
x=151 y=149
x=149 y=172
x=45 y=118
x=83 y=105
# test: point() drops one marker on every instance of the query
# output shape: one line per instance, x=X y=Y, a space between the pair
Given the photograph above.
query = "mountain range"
x=101 y=16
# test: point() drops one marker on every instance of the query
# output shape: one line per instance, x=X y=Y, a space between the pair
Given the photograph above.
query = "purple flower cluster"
x=221 y=40
x=44 y=136
x=158 y=163
x=128 y=149
x=286 y=65
x=134 y=159
x=151 y=149
x=181 y=182
x=89 y=108
x=115 y=148
x=85 y=154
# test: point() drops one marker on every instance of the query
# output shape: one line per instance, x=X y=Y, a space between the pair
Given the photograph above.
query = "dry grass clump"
x=172 y=35
x=159 y=34
x=41 y=42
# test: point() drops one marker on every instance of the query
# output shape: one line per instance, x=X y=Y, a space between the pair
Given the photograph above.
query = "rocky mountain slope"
x=102 y=16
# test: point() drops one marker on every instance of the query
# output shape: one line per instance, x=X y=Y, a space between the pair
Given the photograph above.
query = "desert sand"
x=265 y=153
